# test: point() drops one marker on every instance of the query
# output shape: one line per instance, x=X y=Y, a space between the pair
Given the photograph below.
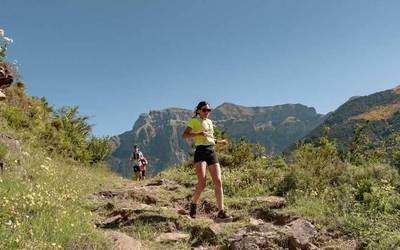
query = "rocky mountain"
x=159 y=132
x=380 y=110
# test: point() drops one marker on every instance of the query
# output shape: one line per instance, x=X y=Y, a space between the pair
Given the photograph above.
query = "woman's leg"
x=201 y=180
x=215 y=171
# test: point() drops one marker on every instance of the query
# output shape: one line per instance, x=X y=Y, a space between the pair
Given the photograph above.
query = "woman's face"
x=204 y=111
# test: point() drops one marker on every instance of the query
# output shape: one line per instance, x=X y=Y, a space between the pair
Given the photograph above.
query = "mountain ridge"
x=158 y=132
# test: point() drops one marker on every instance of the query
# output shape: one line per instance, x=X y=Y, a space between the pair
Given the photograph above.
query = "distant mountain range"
x=277 y=128
x=159 y=132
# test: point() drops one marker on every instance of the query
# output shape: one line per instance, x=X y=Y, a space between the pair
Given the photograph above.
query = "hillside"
x=45 y=178
x=379 y=112
x=58 y=195
x=274 y=127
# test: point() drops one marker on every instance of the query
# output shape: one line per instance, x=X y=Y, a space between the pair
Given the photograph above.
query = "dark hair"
x=201 y=104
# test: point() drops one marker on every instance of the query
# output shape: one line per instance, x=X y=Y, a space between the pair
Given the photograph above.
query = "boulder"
x=122 y=241
x=149 y=199
x=300 y=233
x=263 y=236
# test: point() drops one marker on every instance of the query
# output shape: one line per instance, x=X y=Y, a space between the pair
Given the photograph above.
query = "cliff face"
x=159 y=132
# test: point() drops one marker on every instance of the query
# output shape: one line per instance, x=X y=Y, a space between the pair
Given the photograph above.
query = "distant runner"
x=135 y=158
x=143 y=167
x=201 y=129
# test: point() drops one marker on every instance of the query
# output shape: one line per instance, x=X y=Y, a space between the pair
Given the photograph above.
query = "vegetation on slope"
x=355 y=195
x=51 y=164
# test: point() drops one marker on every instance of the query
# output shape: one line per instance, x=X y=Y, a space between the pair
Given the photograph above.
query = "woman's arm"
x=189 y=134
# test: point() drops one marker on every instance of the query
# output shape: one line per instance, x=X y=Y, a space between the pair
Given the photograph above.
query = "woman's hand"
x=203 y=133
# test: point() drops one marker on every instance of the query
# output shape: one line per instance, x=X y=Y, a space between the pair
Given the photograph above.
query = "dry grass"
x=380 y=112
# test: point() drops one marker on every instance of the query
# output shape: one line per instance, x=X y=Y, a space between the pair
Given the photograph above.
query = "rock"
x=338 y=244
x=166 y=227
x=149 y=199
x=122 y=241
x=300 y=232
x=2 y=96
x=255 y=222
x=162 y=182
x=109 y=206
x=123 y=212
x=250 y=242
x=182 y=211
x=217 y=229
x=206 y=248
x=172 y=237
x=11 y=143
x=111 y=222
x=272 y=201
x=263 y=236
x=276 y=217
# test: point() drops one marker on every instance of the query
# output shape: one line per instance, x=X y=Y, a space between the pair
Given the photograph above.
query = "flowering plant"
x=4 y=42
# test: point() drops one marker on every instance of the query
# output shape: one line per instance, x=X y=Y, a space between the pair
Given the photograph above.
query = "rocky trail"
x=154 y=215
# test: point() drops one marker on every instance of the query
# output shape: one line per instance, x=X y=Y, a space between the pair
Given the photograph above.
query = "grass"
x=43 y=202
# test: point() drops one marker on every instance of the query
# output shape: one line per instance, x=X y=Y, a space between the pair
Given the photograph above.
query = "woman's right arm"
x=188 y=133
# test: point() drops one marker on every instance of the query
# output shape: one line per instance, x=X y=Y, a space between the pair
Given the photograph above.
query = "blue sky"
x=117 y=59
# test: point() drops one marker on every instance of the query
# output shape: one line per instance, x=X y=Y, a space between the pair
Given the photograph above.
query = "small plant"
x=4 y=42
x=3 y=151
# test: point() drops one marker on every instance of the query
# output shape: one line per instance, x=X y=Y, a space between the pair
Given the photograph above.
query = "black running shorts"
x=136 y=168
x=205 y=153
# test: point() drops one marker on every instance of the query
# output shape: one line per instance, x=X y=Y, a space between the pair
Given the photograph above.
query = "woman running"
x=200 y=128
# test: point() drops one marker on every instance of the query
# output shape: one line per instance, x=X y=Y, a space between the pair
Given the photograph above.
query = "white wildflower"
x=9 y=223
x=44 y=167
x=8 y=40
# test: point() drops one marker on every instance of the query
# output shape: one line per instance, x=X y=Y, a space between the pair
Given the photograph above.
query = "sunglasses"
x=206 y=110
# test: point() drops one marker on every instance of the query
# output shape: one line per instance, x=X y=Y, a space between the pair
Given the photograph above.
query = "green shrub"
x=99 y=149
x=288 y=183
x=15 y=117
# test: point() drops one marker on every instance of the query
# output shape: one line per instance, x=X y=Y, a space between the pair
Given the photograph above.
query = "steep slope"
x=380 y=110
x=159 y=132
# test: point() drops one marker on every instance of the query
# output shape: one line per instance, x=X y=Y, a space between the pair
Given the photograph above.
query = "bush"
x=15 y=117
x=99 y=149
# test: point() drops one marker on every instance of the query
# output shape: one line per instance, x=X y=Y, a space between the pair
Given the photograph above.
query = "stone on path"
x=122 y=241
x=272 y=201
x=111 y=222
x=300 y=232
